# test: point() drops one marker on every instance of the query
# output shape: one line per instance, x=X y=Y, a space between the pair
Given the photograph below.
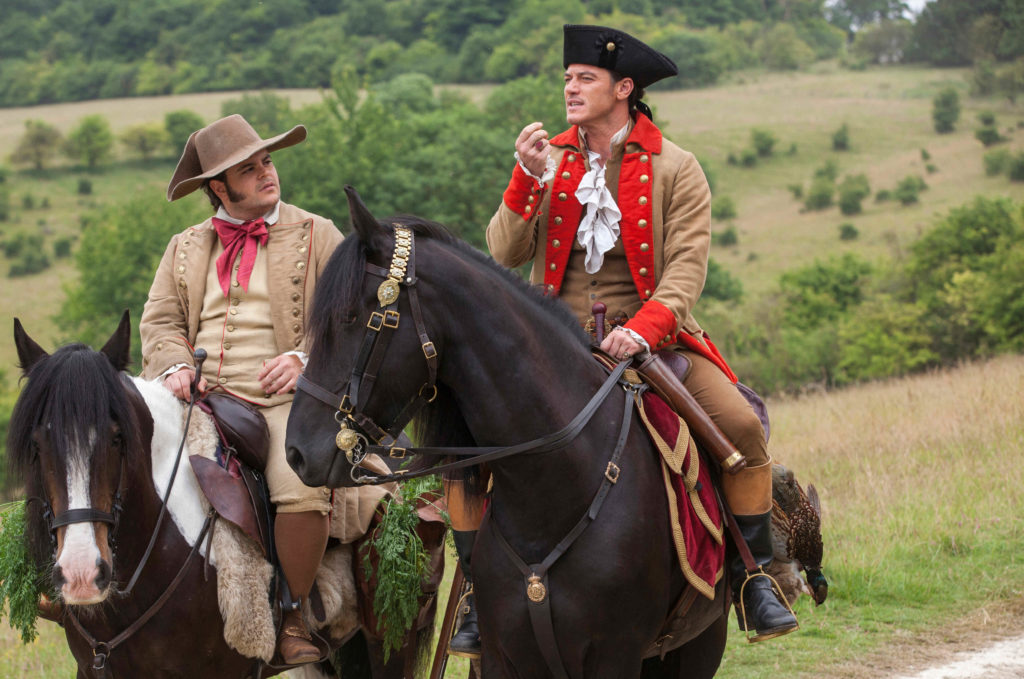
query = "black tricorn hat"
x=617 y=51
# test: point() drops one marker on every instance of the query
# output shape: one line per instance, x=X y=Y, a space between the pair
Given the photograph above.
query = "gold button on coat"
x=644 y=179
x=558 y=220
x=643 y=200
x=643 y=158
x=572 y=157
x=563 y=195
x=642 y=223
x=644 y=247
x=566 y=175
x=300 y=265
x=552 y=266
x=556 y=243
x=643 y=271
x=296 y=327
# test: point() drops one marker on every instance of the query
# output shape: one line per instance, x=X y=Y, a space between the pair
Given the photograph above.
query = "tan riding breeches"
x=287 y=491
x=727 y=407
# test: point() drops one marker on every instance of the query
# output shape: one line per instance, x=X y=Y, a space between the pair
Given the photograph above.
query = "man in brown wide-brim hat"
x=239 y=285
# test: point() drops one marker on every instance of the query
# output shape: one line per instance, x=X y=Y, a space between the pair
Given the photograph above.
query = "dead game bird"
x=796 y=538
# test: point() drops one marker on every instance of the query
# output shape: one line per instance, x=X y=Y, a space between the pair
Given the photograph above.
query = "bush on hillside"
x=725 y=238
x=908 y=189
x=721 y=285
x=841 y=138
x=763 y=141
x=848 y=231
x=748 y=157
x=830 y=170
x=797 y=190
x=30 y=262
x=852 y=191
x=1015 y=167
x=988 y=133
x=84 y=186
x=723 y=207
x=997 y=162
x=820 y=195
x=946 y=110
x=62 y=248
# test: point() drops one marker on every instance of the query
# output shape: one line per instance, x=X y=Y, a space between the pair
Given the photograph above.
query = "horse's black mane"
x=338 y=298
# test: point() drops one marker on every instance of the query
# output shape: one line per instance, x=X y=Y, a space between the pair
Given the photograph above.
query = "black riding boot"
x=764 y=612
x=466 y=642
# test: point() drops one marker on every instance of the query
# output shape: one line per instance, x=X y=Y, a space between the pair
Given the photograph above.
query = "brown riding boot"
x=295 y=643
x=300 y=540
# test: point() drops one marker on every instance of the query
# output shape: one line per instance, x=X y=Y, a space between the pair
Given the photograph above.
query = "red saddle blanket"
x=696 y=518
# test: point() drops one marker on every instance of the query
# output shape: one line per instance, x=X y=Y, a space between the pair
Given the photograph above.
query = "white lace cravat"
x=599 y=228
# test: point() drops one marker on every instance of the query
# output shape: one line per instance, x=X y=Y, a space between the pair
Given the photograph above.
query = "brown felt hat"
x=220 y=145
x=615 y=50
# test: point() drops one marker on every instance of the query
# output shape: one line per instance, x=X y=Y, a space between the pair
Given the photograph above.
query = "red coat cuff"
x=654 y=322
x=523 y=193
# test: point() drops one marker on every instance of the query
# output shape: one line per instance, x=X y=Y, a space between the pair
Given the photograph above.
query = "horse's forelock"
x=73 y=393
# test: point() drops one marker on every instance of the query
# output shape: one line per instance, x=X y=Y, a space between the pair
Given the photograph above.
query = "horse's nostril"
x=103 y=578
x=294 y=457
x=58 y=577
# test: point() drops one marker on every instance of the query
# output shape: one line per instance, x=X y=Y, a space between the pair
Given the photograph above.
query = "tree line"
x=66 y=50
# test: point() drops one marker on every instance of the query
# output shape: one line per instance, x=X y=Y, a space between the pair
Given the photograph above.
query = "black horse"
x=81 y=439
x=497 y=365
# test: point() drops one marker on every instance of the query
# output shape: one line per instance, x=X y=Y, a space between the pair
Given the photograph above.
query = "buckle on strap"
x=429 y=351
x=391 y=318
x=376 y=321
x=612 y=472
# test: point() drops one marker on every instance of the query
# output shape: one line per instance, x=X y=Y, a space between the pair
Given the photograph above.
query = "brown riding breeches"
x=727 y=407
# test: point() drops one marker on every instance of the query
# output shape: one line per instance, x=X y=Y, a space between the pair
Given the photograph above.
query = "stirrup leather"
x=742 y=608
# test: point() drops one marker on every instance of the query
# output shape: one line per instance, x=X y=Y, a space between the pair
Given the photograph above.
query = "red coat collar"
x=644 y=133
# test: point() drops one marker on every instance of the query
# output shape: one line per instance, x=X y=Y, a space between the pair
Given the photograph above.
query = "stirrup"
x=455 y=630
x=742 y=609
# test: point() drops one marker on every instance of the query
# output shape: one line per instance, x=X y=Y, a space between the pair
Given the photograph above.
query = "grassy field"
x=921 y=484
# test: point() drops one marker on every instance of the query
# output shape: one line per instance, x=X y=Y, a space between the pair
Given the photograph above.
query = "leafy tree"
x=947 y=265
x=696 y=55
x=854 y=16
x=145 y=139
x=907 y=190
x=821 y=193
x=946 y=110
x=38 y=145
x=179 y=126
x=265 y=111
x=116 y=260
x=91 y=141
x=883 y=338
x=822 y=292
x=883 y=43
x=782 y=49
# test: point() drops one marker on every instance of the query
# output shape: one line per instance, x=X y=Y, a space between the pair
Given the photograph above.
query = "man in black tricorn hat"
x=611 y=211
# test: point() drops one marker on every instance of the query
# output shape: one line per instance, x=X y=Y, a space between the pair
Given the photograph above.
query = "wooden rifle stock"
x=704 y=430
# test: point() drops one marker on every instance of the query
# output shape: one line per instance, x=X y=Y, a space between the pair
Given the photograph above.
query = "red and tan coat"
x=665 y=231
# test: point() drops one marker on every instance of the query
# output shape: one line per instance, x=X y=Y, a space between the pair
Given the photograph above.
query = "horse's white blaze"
x=184 y=505
x=79 y=556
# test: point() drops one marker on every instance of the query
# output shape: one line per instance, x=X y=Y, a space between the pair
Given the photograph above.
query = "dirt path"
x=985 y=644
x=1002 y=660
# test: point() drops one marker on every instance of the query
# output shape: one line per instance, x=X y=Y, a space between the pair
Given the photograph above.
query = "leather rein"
x=356 y=429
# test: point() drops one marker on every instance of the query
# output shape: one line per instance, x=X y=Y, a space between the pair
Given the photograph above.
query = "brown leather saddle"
x=237 y=489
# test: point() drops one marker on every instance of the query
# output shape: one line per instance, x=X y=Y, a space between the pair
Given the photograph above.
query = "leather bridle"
x=357 y=429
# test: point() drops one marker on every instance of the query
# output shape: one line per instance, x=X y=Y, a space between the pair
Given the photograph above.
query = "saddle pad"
x=696 y=517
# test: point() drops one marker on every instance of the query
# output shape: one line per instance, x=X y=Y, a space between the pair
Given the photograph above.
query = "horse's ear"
x=118 y=347
x=365 y=224
x=29 y=353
